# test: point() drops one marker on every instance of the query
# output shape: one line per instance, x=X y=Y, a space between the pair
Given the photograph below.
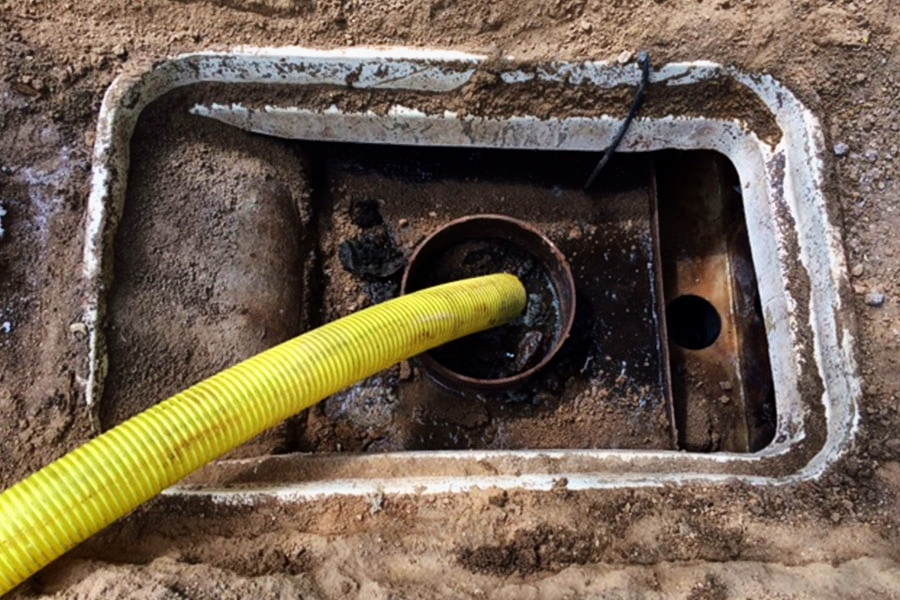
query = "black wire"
x=643 y=60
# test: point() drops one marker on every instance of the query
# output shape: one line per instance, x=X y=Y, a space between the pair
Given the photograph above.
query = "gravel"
x=841 y=149
x=874 y=299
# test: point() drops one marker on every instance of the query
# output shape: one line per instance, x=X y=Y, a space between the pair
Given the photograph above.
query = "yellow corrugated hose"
x=89 y=488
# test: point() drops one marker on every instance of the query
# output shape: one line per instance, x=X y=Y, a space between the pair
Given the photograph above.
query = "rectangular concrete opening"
x=745 y=363
x=231 y=242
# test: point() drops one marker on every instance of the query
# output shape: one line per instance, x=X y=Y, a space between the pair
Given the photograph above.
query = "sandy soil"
x=836 y=537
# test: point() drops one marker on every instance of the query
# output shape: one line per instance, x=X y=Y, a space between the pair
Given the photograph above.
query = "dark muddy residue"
x=512 y=348
x=374 y=253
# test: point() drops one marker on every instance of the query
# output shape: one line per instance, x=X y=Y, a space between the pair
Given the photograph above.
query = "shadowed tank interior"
x=668 y=347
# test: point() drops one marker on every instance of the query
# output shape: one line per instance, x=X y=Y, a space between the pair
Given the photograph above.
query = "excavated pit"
x=283 y=236
x=247 y=198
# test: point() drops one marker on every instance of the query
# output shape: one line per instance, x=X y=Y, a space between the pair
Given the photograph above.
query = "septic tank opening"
x=157 y=320
x=345 y=218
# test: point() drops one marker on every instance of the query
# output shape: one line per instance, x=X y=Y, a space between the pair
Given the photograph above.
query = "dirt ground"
x=834 y=537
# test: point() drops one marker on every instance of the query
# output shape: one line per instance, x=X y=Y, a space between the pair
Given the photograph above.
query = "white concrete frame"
x=784 y=202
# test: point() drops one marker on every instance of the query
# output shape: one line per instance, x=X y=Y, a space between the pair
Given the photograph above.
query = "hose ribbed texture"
x=73 y=498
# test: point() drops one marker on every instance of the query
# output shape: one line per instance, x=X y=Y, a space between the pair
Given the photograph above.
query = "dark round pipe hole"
x=693 y=322
x=506 y=356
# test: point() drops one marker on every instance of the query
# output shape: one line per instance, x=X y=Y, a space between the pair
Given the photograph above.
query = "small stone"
x=376 y=503
x=624 y=57
x=574 y=233
x=860 y=77
x=835 y=517
x=403 y=223
x=406 y=372
x=857 y=270
x=874 y=299
x=6 y=327
x=432 y=214
x=724 y=399
x=841 y=149
x=26 y=88
x=586 y=26
x=78 y=328
x=726 y=386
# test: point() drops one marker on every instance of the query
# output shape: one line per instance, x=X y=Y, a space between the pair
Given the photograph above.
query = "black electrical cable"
x=643 y=59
